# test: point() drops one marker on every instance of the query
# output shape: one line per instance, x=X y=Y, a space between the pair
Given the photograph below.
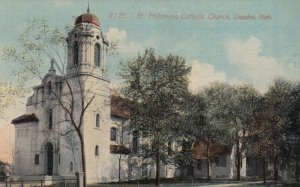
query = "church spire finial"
x=52 y=69
x=88 y=9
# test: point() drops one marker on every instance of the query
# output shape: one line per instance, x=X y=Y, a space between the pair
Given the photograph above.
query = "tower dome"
x=87 y=18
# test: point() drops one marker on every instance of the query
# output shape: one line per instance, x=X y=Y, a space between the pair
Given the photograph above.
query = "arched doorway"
x=49 y=158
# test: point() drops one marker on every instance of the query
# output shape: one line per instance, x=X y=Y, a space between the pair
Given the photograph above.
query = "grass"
x=196 y=183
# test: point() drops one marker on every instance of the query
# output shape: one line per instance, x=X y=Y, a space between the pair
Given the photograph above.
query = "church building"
x=46 y=143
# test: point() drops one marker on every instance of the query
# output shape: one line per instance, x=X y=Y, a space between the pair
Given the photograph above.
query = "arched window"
x=50 y=118
x=75 y=53
x=135 y=139
x=97 y=55
x=113 y=134
x=71 y=166
x=97 y=150
x=49 y=88
x=36 y=159
x=170 y=147
x=97 y=120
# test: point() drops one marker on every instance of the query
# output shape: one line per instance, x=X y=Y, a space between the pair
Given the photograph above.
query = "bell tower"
x=87 y=76
x=87 y=47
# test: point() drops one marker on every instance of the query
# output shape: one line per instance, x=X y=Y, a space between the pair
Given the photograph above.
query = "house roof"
x=120 y=107
x=199 y=150
x=25 y=118
x=119 y=149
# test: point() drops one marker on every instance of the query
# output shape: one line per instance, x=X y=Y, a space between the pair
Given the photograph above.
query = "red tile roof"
x=120 y=107
x=119 y=149
x=214 y=151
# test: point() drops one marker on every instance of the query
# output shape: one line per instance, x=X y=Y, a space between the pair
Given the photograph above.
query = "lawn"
x=212 y=184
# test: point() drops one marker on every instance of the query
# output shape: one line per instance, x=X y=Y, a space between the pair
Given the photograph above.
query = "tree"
x=9 y=93
x=184 y=159
x=259 y=145
x=247 y=97
x=3 y=170
x=220 y=115
x=294 y=130
x=158 y=85
x=274 y=132
x=204 y=127
x=200 y=127
x=277 y=100
x=71 y=142
x=36 y=45
x=122 y=129
x=231 y=108
x=282 y=99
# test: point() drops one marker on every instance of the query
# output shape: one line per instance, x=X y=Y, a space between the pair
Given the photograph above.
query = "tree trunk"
x=129 y=168
x=264 y=171
x=190 y=170
x=120 y=158
x=208 y=164
x=238 y=157
x=275 y=171
x=157 y=182
x=297 y=170
x=82 y=158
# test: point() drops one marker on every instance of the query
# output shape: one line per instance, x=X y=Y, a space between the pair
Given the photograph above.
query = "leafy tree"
x=201 y=127
x=210 y=132
x=273 y=135
x=259 y=145
x=278 y=101
x=220 y=115
x=246 y=97
x=232 y=107
x=294 y=128
x=184 y=158
x=9 y=93
x=158 y=85
x=283 y=107
x=3 y=170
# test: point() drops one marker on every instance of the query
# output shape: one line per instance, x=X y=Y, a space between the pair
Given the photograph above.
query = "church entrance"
x=49 y=158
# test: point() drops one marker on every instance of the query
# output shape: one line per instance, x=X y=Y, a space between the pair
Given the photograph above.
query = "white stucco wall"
x=23 y=150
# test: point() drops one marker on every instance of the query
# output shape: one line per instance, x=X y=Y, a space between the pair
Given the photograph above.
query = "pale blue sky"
x=235 y=51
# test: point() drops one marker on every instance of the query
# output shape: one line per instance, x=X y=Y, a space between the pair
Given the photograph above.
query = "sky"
x=249 y=41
